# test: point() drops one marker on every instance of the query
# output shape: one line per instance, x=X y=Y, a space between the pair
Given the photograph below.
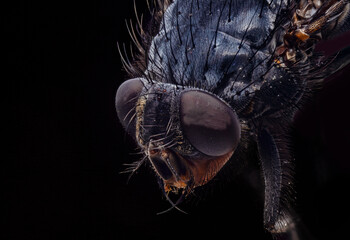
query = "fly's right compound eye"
x=126 y=99
x=209 y=124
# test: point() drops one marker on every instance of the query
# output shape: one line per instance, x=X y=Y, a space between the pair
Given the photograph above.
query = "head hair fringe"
x=141 y=34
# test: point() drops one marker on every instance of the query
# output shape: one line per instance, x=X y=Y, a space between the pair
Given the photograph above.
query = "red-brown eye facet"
x=209 y=124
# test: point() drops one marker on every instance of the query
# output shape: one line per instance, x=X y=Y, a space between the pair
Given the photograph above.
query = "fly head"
x=186 y=133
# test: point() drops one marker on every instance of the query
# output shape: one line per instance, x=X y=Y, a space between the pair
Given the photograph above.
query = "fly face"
x=187 y=134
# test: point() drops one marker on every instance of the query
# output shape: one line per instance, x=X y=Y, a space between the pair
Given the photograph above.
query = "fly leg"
x=313 y=21
x=279 y=217
x=328 y=17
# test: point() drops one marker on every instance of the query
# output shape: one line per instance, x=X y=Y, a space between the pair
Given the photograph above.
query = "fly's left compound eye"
x=126 y=99
x=210 y=125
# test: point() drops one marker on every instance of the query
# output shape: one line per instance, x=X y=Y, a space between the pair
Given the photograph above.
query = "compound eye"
x=210 y=125
x=126 y=100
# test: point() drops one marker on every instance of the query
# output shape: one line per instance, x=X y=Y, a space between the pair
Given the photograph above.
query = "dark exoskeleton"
x=219 y=73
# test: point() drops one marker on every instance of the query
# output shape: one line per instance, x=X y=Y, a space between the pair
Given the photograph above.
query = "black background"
x=64 y=146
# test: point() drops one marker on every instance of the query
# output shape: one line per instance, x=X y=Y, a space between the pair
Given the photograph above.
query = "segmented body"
x=226 y=47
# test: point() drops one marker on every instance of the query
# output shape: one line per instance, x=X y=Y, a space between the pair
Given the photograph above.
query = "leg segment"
x=272 y=173
x=277 y=179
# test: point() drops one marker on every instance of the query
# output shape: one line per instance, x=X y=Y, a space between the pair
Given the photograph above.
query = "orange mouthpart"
x=199 y=172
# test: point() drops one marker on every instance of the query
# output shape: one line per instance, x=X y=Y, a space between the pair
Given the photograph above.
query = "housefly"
x=213 y=75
